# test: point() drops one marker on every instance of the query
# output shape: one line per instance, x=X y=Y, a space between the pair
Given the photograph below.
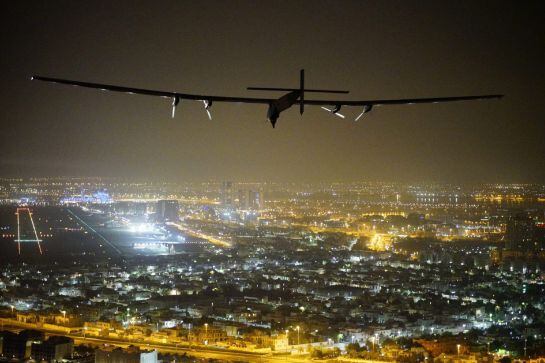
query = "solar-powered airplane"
x=276 y=105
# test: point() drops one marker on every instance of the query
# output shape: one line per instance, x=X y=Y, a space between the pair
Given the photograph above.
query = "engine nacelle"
x=272 y=114
x=207 y=105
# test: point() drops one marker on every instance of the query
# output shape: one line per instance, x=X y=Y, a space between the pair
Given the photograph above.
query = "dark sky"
x=376 y=49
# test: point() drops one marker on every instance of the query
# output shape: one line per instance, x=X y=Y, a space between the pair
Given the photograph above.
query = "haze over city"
x=272 y=182
x=375 y=50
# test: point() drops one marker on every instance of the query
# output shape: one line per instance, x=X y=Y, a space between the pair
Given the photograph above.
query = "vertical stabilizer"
x=302 y=90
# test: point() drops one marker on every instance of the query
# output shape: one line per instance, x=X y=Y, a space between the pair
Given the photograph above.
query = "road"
x=165 y=348
x=199 y=351
x=196 y=351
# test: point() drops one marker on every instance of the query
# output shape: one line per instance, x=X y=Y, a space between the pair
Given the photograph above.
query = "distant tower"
x=520 y=233
x=243 y=201
x=167 y=211
x=254 y=199
x=226 y=194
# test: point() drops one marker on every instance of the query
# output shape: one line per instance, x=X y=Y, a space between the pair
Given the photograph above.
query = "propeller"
x=207 y=105
x=366 y=109
x=175 y=101
x=334 y=111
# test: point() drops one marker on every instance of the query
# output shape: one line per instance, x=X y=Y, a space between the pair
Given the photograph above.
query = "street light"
x=287 y=342
x=206 y=332
x=298 y=328
x=458 y=349
x=189 y=336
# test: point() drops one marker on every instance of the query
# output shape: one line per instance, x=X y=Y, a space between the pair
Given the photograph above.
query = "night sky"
x=375 y=49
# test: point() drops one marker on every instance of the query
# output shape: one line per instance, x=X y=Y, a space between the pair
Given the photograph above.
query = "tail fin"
x=302 y=91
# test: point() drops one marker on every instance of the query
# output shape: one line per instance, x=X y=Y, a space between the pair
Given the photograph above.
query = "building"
x=67 y=320
x=263 y=339
x=131 y=354
x=125 y=208
x=243 y=201
x=27 y=318
x=53 y=349
x=208 y=335
x=255 y=199
x=99 y=328
x=520 y=233
x=18 y=346
x=226 y=194
x=167 y=211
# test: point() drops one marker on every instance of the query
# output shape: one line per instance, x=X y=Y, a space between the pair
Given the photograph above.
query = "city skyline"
x=271 y=272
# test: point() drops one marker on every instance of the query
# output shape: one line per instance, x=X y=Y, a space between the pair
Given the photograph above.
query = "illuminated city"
x=309 y=181
x=258 y=271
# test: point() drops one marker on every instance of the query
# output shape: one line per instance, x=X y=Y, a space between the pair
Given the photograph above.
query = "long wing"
x=369 y=104
x=195 y=97
x=147 y=92
x=403 y=101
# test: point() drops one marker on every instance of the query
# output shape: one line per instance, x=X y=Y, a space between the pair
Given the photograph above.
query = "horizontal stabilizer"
x=294 y=89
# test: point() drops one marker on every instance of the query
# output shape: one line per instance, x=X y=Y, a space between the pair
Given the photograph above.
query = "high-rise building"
x=254 y=199
x=226 y=194
x=167 y=211
x=243 y=201
x=520 y=233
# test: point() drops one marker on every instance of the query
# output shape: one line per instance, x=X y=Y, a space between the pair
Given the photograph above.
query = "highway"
x=167 y=348
x=198 y=351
